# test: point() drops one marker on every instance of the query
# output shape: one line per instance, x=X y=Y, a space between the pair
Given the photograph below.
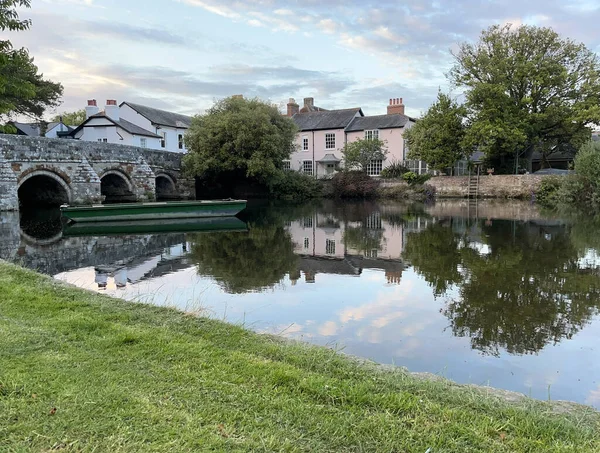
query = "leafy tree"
x=71 y=118
x=241 y=137
x=22 y=90
x=358 y=154
x=527 y=89
x=437 y=137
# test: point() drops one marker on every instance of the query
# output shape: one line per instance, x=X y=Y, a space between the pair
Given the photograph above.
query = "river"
x=491 y=293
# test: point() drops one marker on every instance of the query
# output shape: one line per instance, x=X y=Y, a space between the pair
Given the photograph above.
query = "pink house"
x=324 y=133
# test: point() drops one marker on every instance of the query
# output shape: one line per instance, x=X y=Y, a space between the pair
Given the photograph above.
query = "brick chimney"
x=292 y=107
x=309 y=103
x=91 y=108
x=112 y=109
x=395 y=106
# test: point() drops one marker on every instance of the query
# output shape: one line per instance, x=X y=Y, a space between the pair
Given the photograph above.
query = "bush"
x=583 y=188
x=295 y=186
x=354 y=184
x=413 y=179
x=394 y=170
x=424 y=192
x=549 y=193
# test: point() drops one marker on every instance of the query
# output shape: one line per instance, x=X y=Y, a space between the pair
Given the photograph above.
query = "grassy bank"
x=83 y=372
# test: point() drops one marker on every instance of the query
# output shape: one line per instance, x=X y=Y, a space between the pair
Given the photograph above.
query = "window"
x=105 y=140
x=371 y=253
x=144 y=142
x=287 y=165
x=306 y=243
x=100 y=140
x=304 y=143
x=374 y=221
x=308 y=222
x=307 y=167
x=163 y=141
x=374 y=167
x=329 y=141
x=372 y=135
x=329 y=247
x=180 y=141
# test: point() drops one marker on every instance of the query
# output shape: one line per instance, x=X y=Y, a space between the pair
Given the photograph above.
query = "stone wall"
x=79 y=166
x=495 y=186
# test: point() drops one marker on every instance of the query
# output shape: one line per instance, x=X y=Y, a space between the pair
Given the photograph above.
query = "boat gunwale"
x=152 y=204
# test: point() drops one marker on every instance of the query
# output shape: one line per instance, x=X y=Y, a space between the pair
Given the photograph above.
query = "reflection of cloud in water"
x=328 y=329
x=385 y=320
x=409 y=348
x=381 y=307
x=593 y=398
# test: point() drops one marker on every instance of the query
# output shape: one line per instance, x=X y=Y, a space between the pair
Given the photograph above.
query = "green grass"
x=84 y=372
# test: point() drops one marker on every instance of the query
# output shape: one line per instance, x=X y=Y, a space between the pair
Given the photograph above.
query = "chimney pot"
x=309 y=102
x=111 y=102
x=92 y=102
x=396 y=107
x=292 y=107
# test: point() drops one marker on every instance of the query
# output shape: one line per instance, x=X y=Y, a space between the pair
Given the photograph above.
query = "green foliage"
x=393 y=170
x=549 y=192
x=71 y=118
x=437 y=138
x=354 y=184
x=527 y=89
x=245 y=136
x=22 y=90
x=359 y=153
x=417 y=192
x=413 y=179
x=295 y=186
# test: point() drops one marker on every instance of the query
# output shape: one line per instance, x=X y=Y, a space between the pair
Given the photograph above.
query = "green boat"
x=134 y=227
x=153 y=211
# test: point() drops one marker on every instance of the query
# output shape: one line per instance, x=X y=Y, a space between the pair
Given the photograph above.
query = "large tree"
x=241 y=137
x=23 y=91
x=437 y=138
x=71 y=118
x=527 y=89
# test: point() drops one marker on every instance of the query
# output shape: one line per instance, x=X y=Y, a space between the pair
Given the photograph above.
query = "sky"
x=183 y=55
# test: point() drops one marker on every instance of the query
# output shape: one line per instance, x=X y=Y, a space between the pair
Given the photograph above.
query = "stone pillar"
x=85 y=185
x=144 y=181
x=10 y=237
x=9 y=195
x=186 y=188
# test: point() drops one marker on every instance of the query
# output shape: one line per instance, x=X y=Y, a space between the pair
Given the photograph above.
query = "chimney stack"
x=112 y=109
x=292 y=107
x=395 y=107
x=309 y=103
x=92 y=108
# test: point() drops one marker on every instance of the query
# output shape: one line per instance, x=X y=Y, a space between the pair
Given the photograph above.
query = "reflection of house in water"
x=328 y=245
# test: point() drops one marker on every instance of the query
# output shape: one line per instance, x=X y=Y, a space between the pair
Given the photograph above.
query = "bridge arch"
x=116 y=186
x=166 y=188
x=43 y=188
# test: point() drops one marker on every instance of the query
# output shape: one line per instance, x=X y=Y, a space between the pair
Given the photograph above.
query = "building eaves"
x=161 y=117
x=378 y=122
x=332 y=119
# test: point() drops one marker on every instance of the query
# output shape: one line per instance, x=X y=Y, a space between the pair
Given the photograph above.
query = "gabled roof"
x=332 y=119
x=161 y=117
x=30 y=129
x=378 y=122
x=123 y=124
x=312 y=108
x=53 y=124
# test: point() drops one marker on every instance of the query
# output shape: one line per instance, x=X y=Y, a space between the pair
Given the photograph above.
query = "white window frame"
x=329 y=247
x=374 y=167
x=287 y=165
x=180 y=141
x=305 y=169
x=306 y=243
x=163 y=140
x=330 y=140
x=305 y=143
x=143 y=142
x=372 y=134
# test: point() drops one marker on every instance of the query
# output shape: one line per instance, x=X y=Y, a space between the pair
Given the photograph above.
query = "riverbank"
x=82 y=372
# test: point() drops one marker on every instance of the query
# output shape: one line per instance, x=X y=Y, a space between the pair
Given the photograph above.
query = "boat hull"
x=153 y=211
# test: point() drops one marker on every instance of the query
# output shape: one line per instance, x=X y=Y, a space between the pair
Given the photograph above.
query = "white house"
x=135 y=125
x=55 y=129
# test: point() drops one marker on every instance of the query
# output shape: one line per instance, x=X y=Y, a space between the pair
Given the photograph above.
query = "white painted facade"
x=59 y=127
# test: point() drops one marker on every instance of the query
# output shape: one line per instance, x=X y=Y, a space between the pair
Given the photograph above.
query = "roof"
x=161 y=117
x=30 y=129
x=378 y=122
x=53 y=124
x=332 y=119
x=123 y=124
x=312 y=108
x=329 y=158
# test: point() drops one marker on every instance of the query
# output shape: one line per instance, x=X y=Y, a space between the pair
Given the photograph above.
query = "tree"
x=239 y=137
x=22 y=90
x=71 y=118
x=359 y=153
x=437 y=137
x=527 y=89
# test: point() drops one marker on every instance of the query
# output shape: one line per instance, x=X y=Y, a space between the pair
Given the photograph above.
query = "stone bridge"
x=38 y=171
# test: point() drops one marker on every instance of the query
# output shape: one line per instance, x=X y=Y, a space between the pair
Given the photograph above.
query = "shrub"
x=295 y=186
x=394 y=170
x=583 y=188
x=424 y=192
x=549 y=193
x=413 y=179
x=354 y=184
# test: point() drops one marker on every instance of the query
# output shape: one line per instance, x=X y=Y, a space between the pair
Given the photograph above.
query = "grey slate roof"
x=332 y=119
x=30 y=129
x=378 y=122
x=123 y=124
x=329 y=159
x=161 y=117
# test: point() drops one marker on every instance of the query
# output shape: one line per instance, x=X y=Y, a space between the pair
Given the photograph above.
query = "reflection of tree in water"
x=362 y=239
x=527 y=292
x=244 y=262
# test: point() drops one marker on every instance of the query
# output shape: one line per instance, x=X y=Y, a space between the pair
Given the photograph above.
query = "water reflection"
x=491 y=293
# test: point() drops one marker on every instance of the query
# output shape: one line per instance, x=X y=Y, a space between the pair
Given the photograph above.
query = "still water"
x=491 y=294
